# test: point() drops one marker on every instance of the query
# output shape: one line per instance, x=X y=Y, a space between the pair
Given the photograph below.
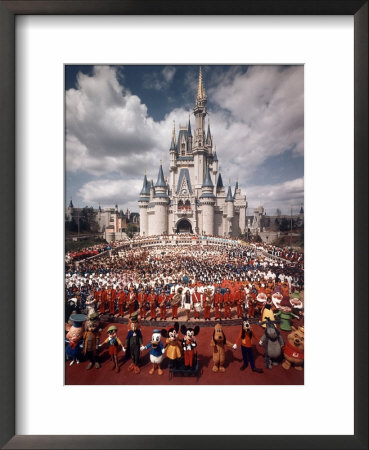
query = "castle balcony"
x=184 y=211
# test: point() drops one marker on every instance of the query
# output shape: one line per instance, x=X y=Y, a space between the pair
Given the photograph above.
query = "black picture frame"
x=8 y=11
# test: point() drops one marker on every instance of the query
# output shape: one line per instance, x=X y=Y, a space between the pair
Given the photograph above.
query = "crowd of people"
x=201 y=282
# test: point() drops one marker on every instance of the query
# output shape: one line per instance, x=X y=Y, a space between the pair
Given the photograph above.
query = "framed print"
x=57 y=57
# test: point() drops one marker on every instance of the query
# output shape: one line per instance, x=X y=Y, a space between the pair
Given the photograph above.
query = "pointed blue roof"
x=208 y=136
x=215 y=157
x=172 y=145
x=220 y=181
x=189 y=128
x=184 y=173
x=145 y=187
x=229 y=195
x=71 y=204
x=160 y=181
x=235 y=189
x=207 y=182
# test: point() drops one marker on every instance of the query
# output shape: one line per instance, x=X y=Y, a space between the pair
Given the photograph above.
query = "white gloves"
x=260 y=342
x=142 y=348
x=163 y=350
x=234 y=346
x=123 y=348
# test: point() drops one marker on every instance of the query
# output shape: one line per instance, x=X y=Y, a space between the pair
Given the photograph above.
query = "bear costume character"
x=293 y=351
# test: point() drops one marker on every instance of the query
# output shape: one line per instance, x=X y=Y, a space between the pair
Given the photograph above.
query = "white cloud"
x=289 y=194
x=257 y=115
x=107 y=192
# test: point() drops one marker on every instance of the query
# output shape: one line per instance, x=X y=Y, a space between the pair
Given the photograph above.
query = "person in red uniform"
x=121 y=302
x=228 y=304
x=131 y=301
x=240 y=302
x=251 y=310
x=142 y=301
x=111 y=294
x=197 y=303
x=163 y=305
x=207 y=303
x=102 y=308
x=151 y=298
x=176 y=300
x=218 y=304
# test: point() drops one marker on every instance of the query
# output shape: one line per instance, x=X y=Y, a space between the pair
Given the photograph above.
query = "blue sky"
x=119 y=122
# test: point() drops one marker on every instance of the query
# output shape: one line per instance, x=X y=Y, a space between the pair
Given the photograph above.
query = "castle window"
x=183 y=149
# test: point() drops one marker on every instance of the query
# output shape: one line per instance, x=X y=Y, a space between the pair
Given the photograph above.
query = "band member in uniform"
x=121 y=295
x=228 y=304
x=163 y=298
x=251 y=302
x=176 y=301
x=187 y=303
x=131 y=301
x=142 y=301
x=241 y=302
x=208 y=302
x=218 y=304
x=197 y=302
x=151 y=298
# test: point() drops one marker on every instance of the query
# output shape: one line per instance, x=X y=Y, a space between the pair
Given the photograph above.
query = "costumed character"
x=197 y=302
x=91 y=340
x=133 y=342
x=90 y=305
x=113 y=341
x=285 y=314
x=218 y=303
x=245 y=336
x=176 y=301
x=267 y=311
x=75 y=338
x=293 y=351
x=173 y=344
x=156 y=352
x=187 y=302
x=189 y=344
x=273 y=343
x=219 y=342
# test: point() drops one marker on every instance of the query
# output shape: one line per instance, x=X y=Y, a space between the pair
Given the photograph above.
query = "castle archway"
x=184 y=226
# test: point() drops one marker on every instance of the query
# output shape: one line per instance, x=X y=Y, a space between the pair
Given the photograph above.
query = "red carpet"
x=77 y=374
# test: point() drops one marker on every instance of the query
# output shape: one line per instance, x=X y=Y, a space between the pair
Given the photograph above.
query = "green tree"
x=131 y=230
x=87 y=221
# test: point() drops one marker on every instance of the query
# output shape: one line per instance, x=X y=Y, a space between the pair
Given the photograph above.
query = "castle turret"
x=207 y=199
x=143 y=203
x=230 y=210
x=159 y=224
x=199 y=145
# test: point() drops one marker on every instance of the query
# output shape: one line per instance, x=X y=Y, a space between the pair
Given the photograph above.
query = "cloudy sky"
x=119 y=122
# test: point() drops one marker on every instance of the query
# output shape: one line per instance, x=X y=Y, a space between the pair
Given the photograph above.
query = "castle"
x=193 y=199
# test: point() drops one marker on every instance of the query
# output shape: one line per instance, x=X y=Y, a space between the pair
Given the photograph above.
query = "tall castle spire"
x=201 y=94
